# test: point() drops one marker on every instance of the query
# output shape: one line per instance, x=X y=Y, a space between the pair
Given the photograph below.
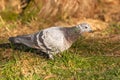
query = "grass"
x=8 y=16
x=69 y=67
x=87 y=59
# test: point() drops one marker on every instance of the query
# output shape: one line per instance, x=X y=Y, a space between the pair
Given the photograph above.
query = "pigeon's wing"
x=54 y=39
x=50 y=39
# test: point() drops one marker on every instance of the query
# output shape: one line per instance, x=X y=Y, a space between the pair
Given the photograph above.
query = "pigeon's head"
x=84 y=27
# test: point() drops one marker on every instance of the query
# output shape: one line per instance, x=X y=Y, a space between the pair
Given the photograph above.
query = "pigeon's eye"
x=85 y=27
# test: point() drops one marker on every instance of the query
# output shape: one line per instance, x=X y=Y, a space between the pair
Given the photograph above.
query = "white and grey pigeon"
x=52 y=40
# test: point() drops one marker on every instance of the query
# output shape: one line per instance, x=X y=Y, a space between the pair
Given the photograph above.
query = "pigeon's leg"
x=50 y=56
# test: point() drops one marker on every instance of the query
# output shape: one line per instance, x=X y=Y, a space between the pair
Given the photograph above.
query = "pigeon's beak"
x=91 y=31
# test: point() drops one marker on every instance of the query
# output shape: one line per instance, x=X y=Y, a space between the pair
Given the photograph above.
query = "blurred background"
x=23 y=15
x=92 y=57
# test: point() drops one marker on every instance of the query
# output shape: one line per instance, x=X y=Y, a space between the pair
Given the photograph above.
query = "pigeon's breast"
x=54 y=39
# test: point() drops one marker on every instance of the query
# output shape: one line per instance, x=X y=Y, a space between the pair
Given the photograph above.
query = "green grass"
x=9 y=16
x=68 y=67
x=87 y=59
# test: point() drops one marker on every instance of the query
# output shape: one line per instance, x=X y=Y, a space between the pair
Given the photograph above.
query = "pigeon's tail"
x=13 y=40
x=27 y=40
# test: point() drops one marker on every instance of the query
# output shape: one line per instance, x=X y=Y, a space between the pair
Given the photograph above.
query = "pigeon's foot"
x=51 y=56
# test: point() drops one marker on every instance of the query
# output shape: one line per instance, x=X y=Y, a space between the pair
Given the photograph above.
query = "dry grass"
x=55 y=8
x=65 y=9
x=106 y=10
x=93 y=57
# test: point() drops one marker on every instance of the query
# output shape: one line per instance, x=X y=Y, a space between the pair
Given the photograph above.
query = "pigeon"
x=52 y=40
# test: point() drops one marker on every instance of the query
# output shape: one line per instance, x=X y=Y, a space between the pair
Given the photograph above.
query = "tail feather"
x=13 y=40
x=27 y=40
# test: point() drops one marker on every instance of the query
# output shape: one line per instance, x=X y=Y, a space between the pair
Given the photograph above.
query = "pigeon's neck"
x=72 y=33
